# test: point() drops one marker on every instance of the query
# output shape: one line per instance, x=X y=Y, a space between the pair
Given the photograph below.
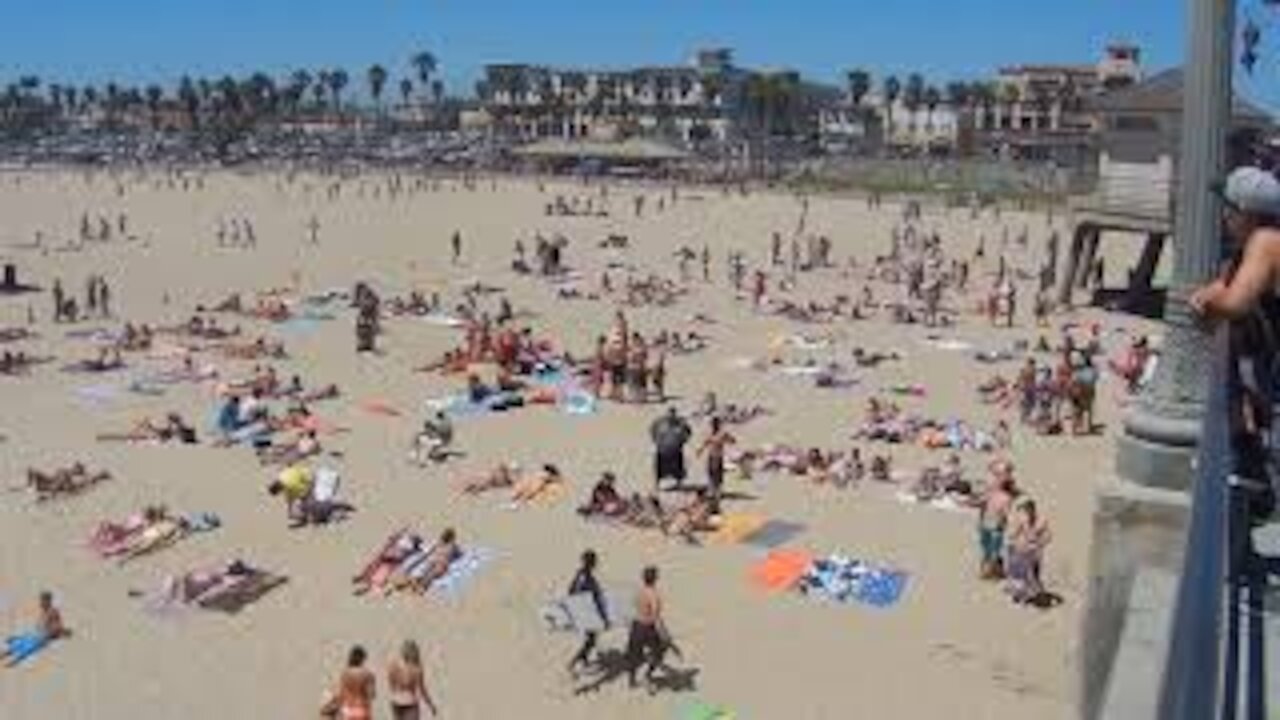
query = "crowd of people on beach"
x=501 y=356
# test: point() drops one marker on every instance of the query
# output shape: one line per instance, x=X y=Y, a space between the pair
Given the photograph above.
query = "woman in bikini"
x=407 y=684
x=356 y=688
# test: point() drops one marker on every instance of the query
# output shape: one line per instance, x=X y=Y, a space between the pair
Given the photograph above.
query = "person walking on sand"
x=353 y=698
x=407 y=685
x=649 y=638
x=456 y=243
x=584 y=582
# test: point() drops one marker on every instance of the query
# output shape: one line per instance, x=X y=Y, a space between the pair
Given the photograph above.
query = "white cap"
x=1253 y=190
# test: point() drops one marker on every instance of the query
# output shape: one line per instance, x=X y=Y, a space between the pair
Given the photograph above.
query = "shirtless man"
x=993 y=517
x=714 y=448
x=49 y=627
x=649 y=635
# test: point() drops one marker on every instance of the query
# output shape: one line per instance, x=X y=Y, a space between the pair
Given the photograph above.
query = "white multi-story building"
x=688 y=103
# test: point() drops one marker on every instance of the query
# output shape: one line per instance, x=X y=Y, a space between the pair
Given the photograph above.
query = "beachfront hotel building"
x=691 y=104
x=1043 y=112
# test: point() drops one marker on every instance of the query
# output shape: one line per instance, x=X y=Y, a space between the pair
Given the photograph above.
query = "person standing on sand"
x=714 y=448
x=584 y=581
x=353 y=698
x=456 y=243
x=406 y=683
x=706 y=263
x=670 y=433
x=59 y=301
x=993 y=517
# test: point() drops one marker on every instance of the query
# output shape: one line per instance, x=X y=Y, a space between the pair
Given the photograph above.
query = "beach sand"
x=952 y=647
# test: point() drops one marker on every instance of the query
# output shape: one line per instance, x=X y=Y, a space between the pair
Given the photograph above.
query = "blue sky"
x=158 y=40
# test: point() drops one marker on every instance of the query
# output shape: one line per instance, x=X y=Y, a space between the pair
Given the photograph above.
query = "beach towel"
x=945 y=502
x=462 y=571
x=845 y=580
x=698 y=710
x=780 y=569
x=245 y=593
x=97 y=395
x=578 y=402
x=736 y=527
x=774 y=533
x=24 y=646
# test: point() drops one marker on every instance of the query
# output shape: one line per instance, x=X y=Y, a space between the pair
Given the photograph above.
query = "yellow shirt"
x=296 y=481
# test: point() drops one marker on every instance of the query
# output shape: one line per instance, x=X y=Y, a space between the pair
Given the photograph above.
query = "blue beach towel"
x=463 y=570
x=23 y=646
x=846 y=581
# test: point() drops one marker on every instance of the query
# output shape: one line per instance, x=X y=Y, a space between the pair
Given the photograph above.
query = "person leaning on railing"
x=1247 y=293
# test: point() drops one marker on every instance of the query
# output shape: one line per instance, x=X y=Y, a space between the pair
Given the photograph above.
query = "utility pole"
x=1161 y=434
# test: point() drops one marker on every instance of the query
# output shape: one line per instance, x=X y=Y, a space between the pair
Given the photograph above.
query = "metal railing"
x=1214 y=667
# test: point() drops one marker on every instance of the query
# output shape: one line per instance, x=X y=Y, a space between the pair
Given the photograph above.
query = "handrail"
x=1195 y=683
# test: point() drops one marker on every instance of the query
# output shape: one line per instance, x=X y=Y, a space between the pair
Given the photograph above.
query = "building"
x=689 y=103
x=1042 y=112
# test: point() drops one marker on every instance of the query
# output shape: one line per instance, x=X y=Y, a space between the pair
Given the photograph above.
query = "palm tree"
x=155 y=94
x=190 y=100
x=377 y=77
x=338 y=80
x=437 y=91
x=424 y=64
x=406 y=89
x=957 y=94
x=858 y=83
x=69 y=98
x=892 y=88
x=913 y=94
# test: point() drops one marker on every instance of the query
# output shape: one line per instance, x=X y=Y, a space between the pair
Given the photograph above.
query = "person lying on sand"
x=158 y=532
x=434 y=565
x=16 y=334
x=257 y=349
x=306 y=445
x=63 y=482
x=502 y=476
x=199 y=587
x=47 y=628
x=531 y=488
x=19 y=363
x=110 y=535
x=172 y=428
x=697 y=516
x=233 y=303
x=107 y=359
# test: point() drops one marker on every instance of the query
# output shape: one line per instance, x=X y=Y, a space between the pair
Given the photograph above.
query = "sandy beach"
x=951 y=646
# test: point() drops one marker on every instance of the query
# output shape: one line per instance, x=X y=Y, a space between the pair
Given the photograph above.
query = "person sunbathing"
x=64 y=481
x=502 y=476
x=48 y=627
x=398 y=550
x=199 y=587
x=159 y=531
x=306 y=445
x=107 y=359
x=424 y=569
x=233 y=303
x=605 y=500
x=172 y=428
x=535 y=486
x=695 y=517
x=18 y=363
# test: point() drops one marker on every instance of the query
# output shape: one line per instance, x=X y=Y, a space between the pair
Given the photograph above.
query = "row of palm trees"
x=237 y=102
